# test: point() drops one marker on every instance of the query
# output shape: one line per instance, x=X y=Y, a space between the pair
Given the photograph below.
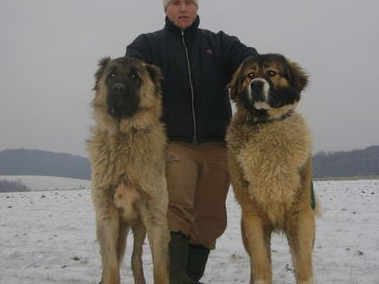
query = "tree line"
x=355 y=163
x=326 y=164
x=13 y=185
x=43 y=163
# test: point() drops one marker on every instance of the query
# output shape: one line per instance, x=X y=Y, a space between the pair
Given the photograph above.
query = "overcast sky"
x=50 y=48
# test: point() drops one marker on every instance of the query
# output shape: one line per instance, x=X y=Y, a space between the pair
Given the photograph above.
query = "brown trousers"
x=198 y=184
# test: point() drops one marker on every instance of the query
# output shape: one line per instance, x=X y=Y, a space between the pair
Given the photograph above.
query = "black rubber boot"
x=178 y=250
x=197 y=259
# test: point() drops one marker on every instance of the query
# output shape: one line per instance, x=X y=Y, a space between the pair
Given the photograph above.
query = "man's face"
x=181 y=12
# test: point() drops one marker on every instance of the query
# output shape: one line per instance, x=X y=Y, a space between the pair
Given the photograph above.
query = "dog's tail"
x=315 y=202
x=318 y=208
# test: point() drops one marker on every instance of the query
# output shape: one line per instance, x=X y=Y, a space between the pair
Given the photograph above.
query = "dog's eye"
x=271 y=73
x=250 y=75
x=112 y=74
x=135 y=76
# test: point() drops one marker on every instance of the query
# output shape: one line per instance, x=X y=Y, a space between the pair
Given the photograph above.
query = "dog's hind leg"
x=256 y=241
x=121 y=242
x=139 y=233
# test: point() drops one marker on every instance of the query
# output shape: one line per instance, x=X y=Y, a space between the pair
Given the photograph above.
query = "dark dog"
x=127 y=152
x=270 y=163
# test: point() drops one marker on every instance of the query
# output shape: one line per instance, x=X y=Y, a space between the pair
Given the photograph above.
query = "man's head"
x=181 y=12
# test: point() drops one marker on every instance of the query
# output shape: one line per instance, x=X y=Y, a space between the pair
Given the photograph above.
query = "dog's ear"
x=299 y=77
x=102 y=64
x=155 y=75
x=234 y=87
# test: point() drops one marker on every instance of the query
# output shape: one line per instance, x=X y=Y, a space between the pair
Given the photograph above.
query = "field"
x=48 y=236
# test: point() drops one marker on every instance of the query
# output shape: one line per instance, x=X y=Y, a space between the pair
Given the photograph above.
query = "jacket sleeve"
x=234 y=51
x=140 y=48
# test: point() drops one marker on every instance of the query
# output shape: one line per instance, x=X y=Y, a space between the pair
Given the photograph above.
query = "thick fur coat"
x=269 y=146
x=127 y=152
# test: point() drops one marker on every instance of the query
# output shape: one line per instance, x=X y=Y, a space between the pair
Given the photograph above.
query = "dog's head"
x=122 y=83
x=126 y=89
x=267 y=86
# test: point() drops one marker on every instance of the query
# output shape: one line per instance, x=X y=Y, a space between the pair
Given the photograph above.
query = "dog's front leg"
x=301 y=229
x=158 y=238
x=301 y=239
x=258 y=246
x=155 y=221
x=107 y=226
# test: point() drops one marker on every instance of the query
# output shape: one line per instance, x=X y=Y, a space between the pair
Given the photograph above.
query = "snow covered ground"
x=49 y=237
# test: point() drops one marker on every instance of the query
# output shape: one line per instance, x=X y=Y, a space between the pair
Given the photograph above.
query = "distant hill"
x=37 y=162
x=364 y=162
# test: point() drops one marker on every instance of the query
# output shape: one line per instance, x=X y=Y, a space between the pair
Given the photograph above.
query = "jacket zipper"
x=192 y=92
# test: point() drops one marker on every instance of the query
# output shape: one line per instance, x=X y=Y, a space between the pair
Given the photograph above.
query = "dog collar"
x=254 y=121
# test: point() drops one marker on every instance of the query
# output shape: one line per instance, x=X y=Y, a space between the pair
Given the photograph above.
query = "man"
x=197 y=65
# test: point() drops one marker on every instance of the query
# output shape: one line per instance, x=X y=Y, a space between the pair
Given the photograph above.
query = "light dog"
x=127 y=152
x=269 y=146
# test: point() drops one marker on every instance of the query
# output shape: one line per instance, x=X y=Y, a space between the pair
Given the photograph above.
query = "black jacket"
x=195 y=99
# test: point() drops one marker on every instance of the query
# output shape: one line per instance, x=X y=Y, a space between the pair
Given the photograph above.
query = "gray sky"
x=50 y=48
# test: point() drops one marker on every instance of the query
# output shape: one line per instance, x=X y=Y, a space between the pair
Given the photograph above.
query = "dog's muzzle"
x=122 y=101
x=118 y=88
x=259 y=90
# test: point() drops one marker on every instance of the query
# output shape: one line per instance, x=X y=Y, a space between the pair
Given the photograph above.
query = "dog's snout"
x=260 y=85
x=259 y=89
x=118 y=88
x=257 y=84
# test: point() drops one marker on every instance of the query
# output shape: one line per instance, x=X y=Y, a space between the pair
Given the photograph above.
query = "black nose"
x=257 y=85
x=257 y=90
x=118 y=88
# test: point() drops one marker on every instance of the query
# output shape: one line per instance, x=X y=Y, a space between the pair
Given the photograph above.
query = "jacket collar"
x=171 y=27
